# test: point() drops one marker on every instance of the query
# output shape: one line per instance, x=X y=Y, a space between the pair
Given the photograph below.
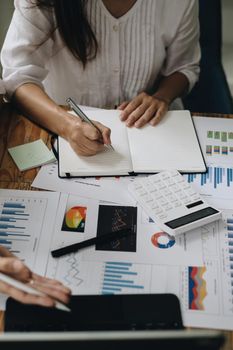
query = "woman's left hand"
x=53 y=290
x=143 y=109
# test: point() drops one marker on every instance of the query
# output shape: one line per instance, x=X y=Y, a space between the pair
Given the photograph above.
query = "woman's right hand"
x=85 y=139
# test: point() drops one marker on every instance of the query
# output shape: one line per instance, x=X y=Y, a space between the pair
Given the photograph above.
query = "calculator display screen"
x=187 y=219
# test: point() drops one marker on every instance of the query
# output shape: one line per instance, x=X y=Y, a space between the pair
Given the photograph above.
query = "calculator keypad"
x=164 y=193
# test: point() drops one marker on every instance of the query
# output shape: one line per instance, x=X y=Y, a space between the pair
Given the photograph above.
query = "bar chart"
x=215 y=176
x=26 y=225
x=226 y=248
x=230 y=251
x=21 y=221
x=13 y=224
x=120 y=277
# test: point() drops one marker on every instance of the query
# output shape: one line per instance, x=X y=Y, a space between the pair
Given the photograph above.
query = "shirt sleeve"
x=27 y=46
x=183 y=50
x=2 y=88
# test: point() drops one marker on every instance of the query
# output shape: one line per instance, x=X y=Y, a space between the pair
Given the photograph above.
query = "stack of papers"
x=196 y=266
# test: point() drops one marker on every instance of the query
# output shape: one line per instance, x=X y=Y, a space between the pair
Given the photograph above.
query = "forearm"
x=37 y=105
x=171 y=87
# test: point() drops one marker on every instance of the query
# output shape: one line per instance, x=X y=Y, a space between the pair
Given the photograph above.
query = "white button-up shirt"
x=154 y=38
x=2 y=88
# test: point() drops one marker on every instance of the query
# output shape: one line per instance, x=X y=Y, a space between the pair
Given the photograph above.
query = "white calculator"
x=172 y=202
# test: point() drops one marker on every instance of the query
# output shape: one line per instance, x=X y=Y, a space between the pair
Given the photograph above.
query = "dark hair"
x=73 y=27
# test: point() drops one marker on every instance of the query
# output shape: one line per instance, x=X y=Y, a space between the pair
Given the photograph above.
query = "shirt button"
x=116 y=70
x=115 y=27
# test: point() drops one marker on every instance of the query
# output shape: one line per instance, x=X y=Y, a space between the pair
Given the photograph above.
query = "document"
x=105 y=188
x=26 y=226
x=172 y=144
x=80 y=218
x=205 y=291
x=216 y=139
x=204 y=288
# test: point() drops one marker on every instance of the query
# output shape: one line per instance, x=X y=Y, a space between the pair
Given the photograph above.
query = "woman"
x=12 y=266
x=2 y=92
x=139 y=55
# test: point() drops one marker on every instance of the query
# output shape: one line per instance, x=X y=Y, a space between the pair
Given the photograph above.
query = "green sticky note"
x=31 y=155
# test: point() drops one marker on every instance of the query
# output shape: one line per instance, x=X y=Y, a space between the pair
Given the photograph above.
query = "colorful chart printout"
x=162 y=240
x=74 y=219
x=197 y=287
x=114 y=218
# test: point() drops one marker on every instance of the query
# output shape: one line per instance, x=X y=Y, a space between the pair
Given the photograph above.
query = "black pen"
x=108 y=237
x=83 y=116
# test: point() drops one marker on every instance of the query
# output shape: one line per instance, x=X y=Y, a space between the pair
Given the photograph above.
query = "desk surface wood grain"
x=15 y=130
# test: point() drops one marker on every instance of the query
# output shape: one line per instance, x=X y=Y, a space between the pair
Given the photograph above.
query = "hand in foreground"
x=13 y=267
x=87 y=140
x=143 y=109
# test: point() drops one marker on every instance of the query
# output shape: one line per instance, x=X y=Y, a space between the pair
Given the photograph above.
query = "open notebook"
x=172 y=144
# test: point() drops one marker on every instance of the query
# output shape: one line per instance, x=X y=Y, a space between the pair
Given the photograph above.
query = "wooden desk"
x=15 y=130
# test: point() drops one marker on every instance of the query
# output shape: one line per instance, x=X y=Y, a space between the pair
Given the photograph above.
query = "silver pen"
x=29 y=289
x=83 y=116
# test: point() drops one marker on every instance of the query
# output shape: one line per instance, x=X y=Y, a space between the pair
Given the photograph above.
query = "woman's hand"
x=143 y=109
x=86 y=140
x=12 y=266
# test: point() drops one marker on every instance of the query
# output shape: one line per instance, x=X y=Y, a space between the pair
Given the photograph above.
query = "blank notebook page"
x=172 y=144
x=108 y=162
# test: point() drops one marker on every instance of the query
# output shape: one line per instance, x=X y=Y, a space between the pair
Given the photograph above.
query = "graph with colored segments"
x=216 y=142
x=219 y=143
x=74 y=219
x=200 y=289
x=197 y=287
x=162 y=240
x=218 y=150
x=205 y=291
